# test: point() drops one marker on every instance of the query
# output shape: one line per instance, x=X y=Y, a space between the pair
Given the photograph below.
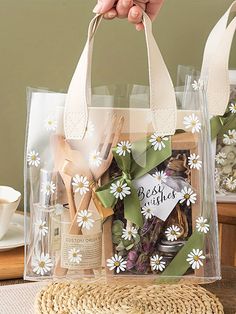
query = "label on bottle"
x=81 y=251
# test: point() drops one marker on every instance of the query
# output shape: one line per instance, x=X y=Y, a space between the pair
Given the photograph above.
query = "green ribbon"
x=179 y=264
x=221 y=124
x=131 y=166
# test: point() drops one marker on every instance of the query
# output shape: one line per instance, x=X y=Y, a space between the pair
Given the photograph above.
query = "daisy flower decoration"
x=123 y=148
x=188 y=196
x=129 y=233
x=158 y=142
x=33 y=158
x=48 y=188
x=95 y=159
x=50 y=124
x=120 y=190
x=202 y=225
x=194 y=162
x=74 y=256
x=220 y=158
x=230 y=138
x=81 y=184
x=147 y=211
x=41 y=227
x=58 y=209
x=195 y=258
x=116 y=262
x=160 y=177
x=232 y=107
x=41 y=264
x=197 y=85
x=172 y=233
x=192 y=122
x=84 y=219
x=157 y=263
x=230 y=183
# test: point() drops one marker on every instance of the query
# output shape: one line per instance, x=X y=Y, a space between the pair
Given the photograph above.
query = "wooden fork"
x=94 y=174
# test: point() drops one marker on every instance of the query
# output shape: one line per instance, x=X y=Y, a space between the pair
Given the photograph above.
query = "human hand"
x=125 y=8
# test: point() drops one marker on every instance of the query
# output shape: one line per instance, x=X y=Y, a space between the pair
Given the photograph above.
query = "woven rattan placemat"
x=77 y=298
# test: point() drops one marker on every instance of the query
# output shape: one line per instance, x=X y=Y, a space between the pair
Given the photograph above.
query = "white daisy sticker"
x=195 y=258
x=230 y=138
x=116 y=262
x=202 y=225
x=157 y=263
x=41 y=227
x=48 y=188
x=197 y=85
x=232 y=107
x=81 y=184
x=129 y=233
x=120 y=190
x=74 y=256
x=41 y=264
x=192 y=122
x=194 y=162
x=160 y=176
x=84 y=219
x=220 y=158
x=172 y=233
x=95 y=159
x=50 y=124
x=90 y=129
x=188 y=196
x=33 y=158
x=147 y=211
x=59 y=209
x=230 y=183
x=123 y=147
x=158 y=142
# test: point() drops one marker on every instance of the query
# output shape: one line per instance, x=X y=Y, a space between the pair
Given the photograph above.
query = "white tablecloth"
x=19 y=299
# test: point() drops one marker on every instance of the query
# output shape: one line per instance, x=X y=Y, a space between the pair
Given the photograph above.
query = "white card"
x=161 y=198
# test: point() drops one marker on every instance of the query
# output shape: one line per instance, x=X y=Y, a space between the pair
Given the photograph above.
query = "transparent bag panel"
x=225 y=159
x=124 y=203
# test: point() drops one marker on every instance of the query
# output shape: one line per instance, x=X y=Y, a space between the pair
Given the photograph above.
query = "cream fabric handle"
x=162 y=95
x=215 y=63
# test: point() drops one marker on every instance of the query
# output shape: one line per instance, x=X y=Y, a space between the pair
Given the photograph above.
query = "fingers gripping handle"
x=162 y=96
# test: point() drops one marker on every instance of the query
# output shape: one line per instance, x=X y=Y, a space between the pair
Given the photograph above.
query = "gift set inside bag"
x=221 y=98
x=119 y=183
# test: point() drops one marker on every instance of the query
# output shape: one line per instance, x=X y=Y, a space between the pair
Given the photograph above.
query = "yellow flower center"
x=119 y=189
x=193 y=123
x=33 y=157
x=158 y=139
x=42 y=264
x=85 y=219
x=50 y=122
x=231 y=136
x=173 y=232
x=80 y=185
x=194 y=161
x=148 y=210
x=157 y=262
x=75 y=254
x=117 y=264
x=196 y=258
x=124 y=148
x=187 y=196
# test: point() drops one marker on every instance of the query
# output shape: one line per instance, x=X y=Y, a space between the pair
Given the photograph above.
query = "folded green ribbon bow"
x=222 y=124
x=131 y=165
